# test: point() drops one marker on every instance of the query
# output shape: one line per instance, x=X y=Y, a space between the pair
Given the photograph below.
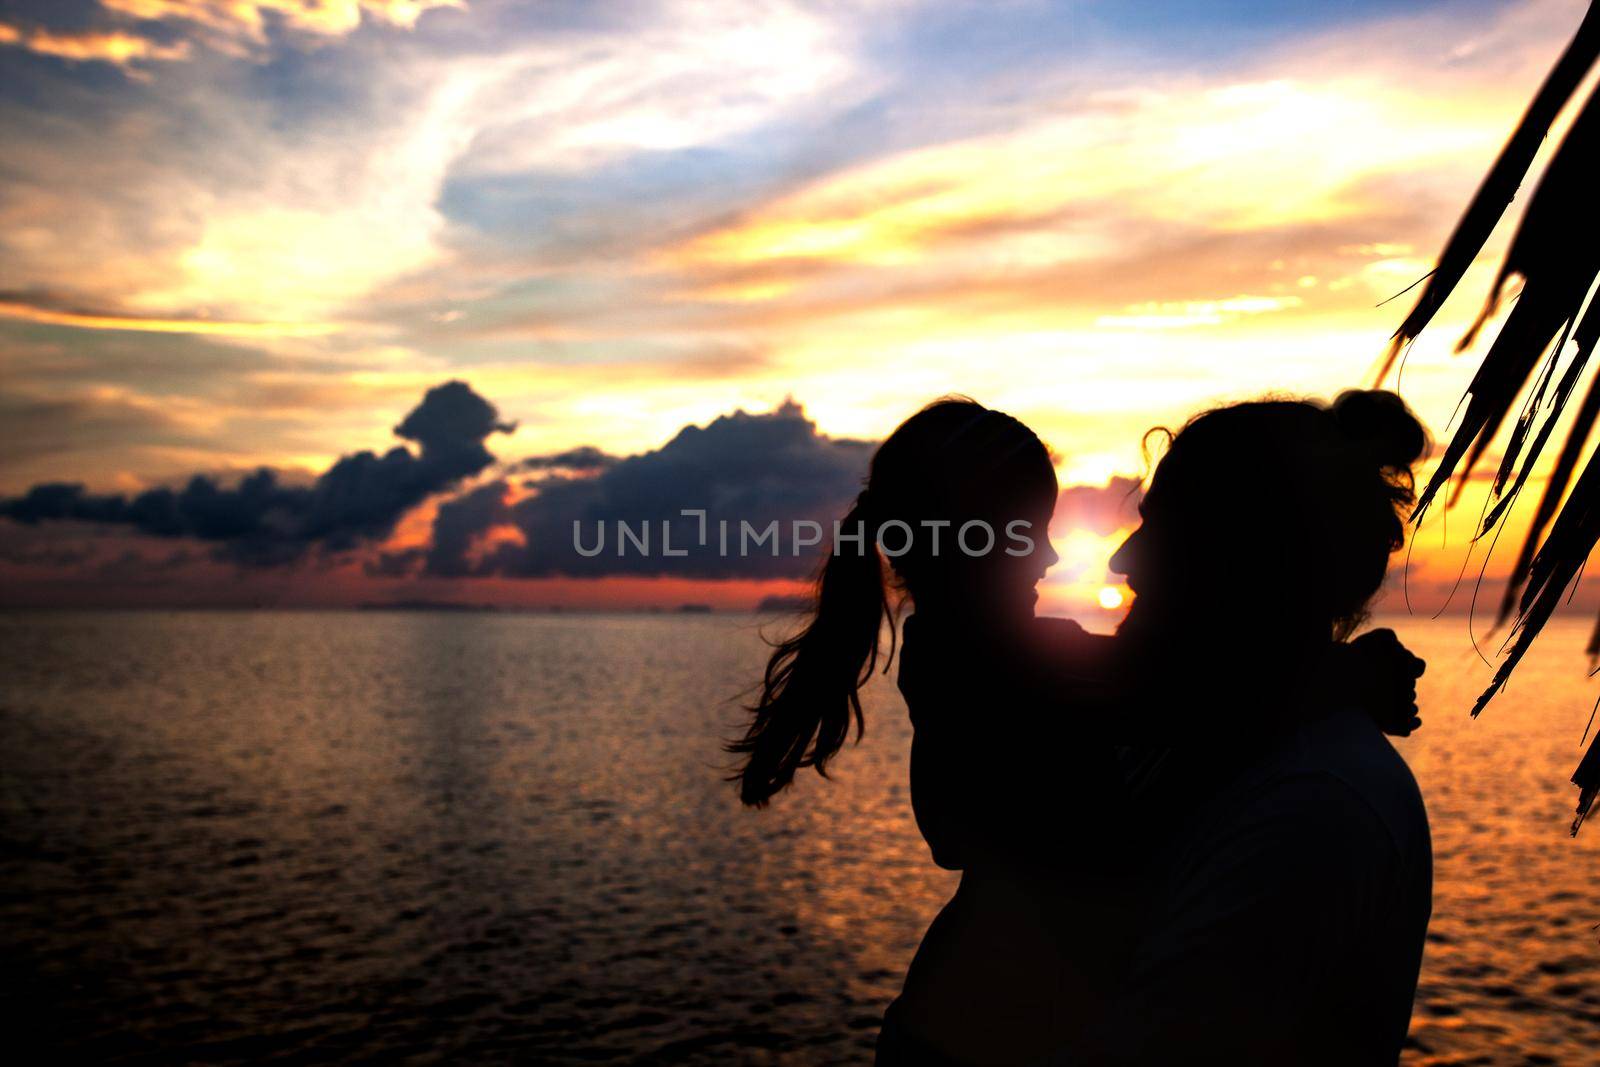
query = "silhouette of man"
x=1290 y=884
x=1287 y=913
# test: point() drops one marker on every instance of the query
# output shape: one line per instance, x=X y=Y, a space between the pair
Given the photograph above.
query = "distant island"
x=694 y=609
x=784 y=604
x=424 y=605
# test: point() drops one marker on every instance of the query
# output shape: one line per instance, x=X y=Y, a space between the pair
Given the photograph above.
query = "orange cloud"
x=1254 y=155
x=115 y=46
x=245 y=17
x=231 y=19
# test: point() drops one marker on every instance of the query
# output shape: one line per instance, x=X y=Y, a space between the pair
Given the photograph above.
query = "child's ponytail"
x=811 y=689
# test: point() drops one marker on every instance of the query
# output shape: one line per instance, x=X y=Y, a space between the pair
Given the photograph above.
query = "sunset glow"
x=242 y=235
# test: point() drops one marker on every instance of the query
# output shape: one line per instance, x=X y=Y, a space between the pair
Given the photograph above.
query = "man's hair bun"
x=1379 y=421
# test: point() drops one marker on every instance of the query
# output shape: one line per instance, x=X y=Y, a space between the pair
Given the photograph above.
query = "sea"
x=481 y=837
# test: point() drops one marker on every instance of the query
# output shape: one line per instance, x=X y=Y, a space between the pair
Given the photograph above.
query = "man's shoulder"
x=1346 y=755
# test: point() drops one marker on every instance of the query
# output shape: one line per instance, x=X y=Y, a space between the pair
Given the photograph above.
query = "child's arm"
x=938 y=742
x=1115 y=694
x=984 y=762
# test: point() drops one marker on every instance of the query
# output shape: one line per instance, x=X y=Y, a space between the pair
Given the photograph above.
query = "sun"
x=1110 y=597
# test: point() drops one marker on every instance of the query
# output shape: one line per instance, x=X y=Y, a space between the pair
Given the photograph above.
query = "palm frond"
x=1556 y=254
x=1500 y=185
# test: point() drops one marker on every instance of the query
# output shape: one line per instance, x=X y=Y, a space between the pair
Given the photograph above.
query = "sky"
x=354 y=301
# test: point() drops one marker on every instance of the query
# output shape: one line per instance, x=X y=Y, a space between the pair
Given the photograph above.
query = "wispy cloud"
x=1148 y=166
x=89 y=320
x=253 y=208
x=690 y=75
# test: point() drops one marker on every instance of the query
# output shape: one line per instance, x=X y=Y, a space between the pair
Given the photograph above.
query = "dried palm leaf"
x=1556 y=254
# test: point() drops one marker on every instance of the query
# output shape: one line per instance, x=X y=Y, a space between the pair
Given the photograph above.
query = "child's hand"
x=1381 y=674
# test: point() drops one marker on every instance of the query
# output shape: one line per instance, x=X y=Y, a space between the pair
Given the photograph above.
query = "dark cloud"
x=755 y=468
x=459 y=522
x=584 y=458
x=402 y=563
x=744 y=469
x=262 y=521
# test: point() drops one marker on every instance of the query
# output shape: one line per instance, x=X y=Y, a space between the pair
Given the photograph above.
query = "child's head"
x=951 y=490
x=958 y=503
